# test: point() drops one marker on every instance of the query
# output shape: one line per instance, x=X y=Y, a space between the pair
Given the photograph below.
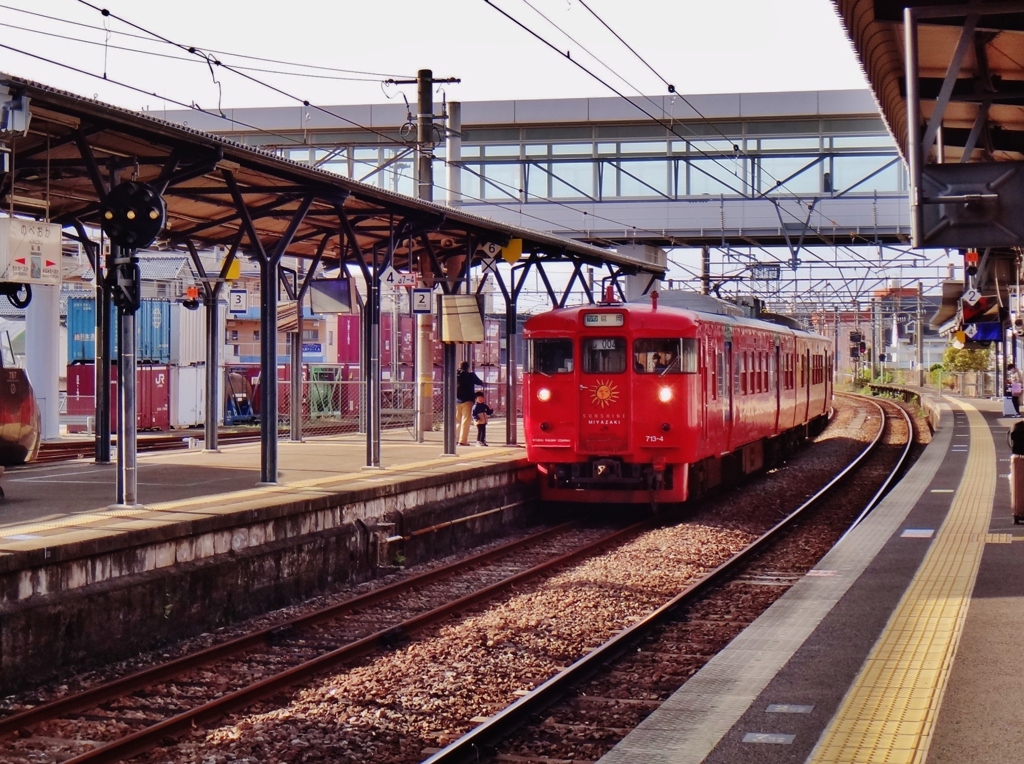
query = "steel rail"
x=149 y=737
x=887 y=483
x=470 y=747
x=146 y=677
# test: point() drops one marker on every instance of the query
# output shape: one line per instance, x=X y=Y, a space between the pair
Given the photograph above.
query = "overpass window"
x=585 y=149
x=572 y=179
x=643 y=178
x=549 y=356
x=789 y=144
x=863 y=141
x=806 y=179
x=647 y=147
x=501 y=151
x=722 y=176
x=604 y=355
x=536 y=149
x=848 y=170
x=501 y=181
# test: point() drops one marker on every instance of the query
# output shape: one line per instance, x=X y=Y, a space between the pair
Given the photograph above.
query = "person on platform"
x=1013 y=386
x=465 y=392
x=481 y=412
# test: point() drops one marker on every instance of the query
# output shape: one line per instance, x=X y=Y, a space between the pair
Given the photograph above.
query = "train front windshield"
x=604 y=355
x=550 y=356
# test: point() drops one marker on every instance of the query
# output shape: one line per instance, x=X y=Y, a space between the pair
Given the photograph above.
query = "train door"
x=708 y=389
x=807 y=384
x=776 y=377
x=730 y=383
x=605 y=395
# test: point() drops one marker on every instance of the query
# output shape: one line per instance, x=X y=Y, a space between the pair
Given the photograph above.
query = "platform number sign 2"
x=421 y=301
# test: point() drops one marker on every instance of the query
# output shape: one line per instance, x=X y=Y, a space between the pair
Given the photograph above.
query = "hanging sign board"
x=422 y=301
x=238 y=301
x=30 y=252
x=392 y=278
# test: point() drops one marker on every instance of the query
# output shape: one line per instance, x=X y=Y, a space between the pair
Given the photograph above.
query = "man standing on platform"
x=465 y=393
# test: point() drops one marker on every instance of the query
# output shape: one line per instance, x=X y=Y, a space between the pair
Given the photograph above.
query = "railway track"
x=78 y=449
x=580 y=713
x=406 y=689
x=132 y=714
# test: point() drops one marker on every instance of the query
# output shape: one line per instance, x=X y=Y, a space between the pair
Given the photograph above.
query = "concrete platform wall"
x=88 y=603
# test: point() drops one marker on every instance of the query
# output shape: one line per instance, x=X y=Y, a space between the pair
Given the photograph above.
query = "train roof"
x=566 y=317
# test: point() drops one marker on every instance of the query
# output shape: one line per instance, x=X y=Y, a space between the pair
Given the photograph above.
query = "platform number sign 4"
x=392 y=278
x=421 y=301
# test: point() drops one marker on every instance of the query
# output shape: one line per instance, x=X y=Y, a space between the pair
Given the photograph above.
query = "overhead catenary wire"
x=289 y=139
x=660 y=122
x=372 y=75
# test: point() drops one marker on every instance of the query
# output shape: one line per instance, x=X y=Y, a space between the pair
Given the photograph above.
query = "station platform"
x=62 y=502
x=902 y=645
x=84 y=582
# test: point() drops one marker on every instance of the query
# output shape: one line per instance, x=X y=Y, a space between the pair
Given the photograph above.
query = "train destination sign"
x=602 y=319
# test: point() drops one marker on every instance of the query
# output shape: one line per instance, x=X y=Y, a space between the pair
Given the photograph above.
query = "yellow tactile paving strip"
x=889 y=713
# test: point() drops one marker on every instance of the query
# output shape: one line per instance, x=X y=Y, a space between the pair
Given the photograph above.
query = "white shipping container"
x=188 y=333
x=188 y=396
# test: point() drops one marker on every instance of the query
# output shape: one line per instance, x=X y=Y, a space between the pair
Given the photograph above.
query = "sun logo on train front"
x=604 y=393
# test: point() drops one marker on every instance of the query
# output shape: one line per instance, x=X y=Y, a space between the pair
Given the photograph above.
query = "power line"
x=191 y=106
x=373 y=75
x=155 y=54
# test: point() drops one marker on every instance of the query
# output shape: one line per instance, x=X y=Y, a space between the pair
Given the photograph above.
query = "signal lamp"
x=544 y=395
x=544 y=427
x=665 y=394
x=133 y=214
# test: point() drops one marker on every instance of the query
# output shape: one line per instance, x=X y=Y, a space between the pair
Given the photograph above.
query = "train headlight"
x=544 y=395
x=665 y=394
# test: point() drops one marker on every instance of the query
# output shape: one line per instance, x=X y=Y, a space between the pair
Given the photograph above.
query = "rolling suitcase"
x=1015 y=439
x=1008 y=409
x=1017 y=488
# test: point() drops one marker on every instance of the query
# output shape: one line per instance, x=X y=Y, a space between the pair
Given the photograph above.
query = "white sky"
x=725 y=46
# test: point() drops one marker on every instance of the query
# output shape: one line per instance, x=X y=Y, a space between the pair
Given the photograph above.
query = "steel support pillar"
x=371 y=352
x=449 y=398
x=103 y=358
x=269 y=271
x=213 y=373
x=511 y=381
x=127 y=412
x=296 y=381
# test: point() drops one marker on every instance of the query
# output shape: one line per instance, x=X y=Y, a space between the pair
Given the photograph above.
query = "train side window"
x=665 y=356
x=721 y=374
x=604 y=355
x=549 y=356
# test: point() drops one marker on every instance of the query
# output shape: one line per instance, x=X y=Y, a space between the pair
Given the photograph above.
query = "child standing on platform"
x=480 y=413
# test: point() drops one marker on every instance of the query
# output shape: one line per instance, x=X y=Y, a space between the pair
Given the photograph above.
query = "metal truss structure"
x=219 y=193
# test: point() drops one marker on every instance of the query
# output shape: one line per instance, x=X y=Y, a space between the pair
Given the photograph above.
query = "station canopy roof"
x=73 y=144
x=987 y=98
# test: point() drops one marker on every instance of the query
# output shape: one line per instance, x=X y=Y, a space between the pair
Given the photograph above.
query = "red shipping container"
x=152 y=395
x=406 y=330
x=348 y=339
x=387 y=340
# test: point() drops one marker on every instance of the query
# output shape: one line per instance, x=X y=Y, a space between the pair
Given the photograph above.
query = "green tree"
x=966 y=359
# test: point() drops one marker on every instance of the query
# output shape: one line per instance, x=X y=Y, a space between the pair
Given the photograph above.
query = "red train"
x=639 y=403
x=20 y=427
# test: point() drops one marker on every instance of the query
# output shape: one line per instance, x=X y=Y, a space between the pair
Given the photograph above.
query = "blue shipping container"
x=152 y=331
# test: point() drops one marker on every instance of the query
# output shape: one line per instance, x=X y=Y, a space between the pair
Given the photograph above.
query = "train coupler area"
x=611 y=474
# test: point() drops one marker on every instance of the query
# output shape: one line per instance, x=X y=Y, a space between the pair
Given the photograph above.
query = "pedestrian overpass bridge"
x=792 y=169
